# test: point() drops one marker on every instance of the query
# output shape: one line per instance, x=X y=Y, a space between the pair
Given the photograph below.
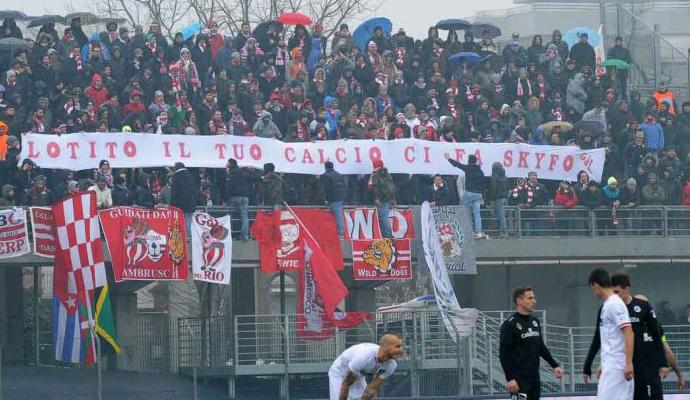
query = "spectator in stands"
x=121 y=195
x=498 y=196
x=8 y=199
x=238 y=183
x=272 y=187
x=687 y=313
x=663 y=95
x=666 y=314
x=104 y=197
x=566 y=198
x=438 y=193
x=474 y=187
x=383 y=192
x=39 y=195
x=653 y=134
x=334 y=190
x=583 y=53
x=619 y=52
x=183 y=192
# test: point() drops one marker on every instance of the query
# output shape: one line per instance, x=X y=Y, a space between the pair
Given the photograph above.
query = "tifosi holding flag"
x=211 y=248
x=14 y=237
x=145 y=244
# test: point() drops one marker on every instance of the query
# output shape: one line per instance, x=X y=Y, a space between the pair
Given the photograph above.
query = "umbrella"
x=264 y=26
x=191 y=30
x=453 y=24
x=573 y=36
x=480 y=29
x=47 y=19
x=615 y=63
x=464 y=56
x=365 y=30
x=87 y=18
x=294 y=18
x=549 y=126
x=595 y=128
x=15 y=15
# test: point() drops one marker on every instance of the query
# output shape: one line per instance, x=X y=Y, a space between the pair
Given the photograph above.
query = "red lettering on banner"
x=92 y=146
x=111 y=147
x=238 y=151
x=408 y=158
x=478 y=154
x=73 y=146
x=554 y=160
x=53 y=150
x=568 y=163
x=359 y=157
x=32 y=153
x=459 y=154
x=306 y=157
x=322 y=157
x=374 y=153
x=540 y=156
x=255 y=151
x=338 y=153
x=522 y=162
x=508 y=158
x=221 y=150
x=130 y=149
x=426 y=155
x=290 y=154
x=182 y=153
x=166 y=146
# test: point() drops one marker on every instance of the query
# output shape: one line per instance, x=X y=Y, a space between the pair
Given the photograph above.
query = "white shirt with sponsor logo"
x=614 y=316
x=361 y=360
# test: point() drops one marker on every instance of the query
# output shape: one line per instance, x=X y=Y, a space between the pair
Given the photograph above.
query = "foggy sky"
x=403 y=13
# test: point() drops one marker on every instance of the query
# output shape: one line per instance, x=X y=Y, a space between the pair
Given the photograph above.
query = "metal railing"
x=269 y=347
x=555 y=221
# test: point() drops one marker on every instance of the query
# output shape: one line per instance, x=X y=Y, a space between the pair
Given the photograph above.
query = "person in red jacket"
x=215 y=39
x=135 y=105
x=96 y=91
x=686 y=193
x=567 y=198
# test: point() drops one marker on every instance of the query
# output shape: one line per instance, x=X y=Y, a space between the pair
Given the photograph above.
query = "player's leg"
x=641 y=381
x=357 y=389
x=530 y=387
x=334 y=384
x=613 y=386
x=655 y=386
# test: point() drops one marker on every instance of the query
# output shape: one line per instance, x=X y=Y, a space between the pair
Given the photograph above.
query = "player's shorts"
x=356 y=392
x=613 y=386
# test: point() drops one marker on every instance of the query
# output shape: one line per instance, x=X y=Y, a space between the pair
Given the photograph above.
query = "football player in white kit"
x=347 y=375
x=617 y=341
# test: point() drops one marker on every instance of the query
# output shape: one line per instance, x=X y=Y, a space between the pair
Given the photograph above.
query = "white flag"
x=211 y=248
x=458 y=321
x=600 y=53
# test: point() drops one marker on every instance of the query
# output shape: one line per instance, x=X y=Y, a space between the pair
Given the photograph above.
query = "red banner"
x=146 y=244
x=376 y=258
x=43 y=231
x=280 y=238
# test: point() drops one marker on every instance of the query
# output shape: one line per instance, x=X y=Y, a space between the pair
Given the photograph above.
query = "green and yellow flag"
x=105 y=322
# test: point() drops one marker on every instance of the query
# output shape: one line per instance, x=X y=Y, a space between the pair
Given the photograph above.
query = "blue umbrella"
x=453 y=23
x=464 y=56
x=191 y=30
x=480 y=29
x=365 y=30
x=573 y=36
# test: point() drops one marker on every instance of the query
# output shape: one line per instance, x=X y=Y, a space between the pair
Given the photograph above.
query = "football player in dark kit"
x=649 y=358
x=522 y=346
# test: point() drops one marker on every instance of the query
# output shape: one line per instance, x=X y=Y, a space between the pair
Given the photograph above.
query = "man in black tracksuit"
x=649 y=359
x=522 y=346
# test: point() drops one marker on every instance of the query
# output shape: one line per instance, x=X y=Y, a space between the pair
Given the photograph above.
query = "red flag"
x=320 y=293
x=280 y=238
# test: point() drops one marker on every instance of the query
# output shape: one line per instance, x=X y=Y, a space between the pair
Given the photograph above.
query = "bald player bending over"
x=347 y=375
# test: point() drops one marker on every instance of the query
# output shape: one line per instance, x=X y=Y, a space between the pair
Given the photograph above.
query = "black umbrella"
x=87 y=18
x=47 y=19
x=595 y=128
x=16 y=15
x=261 y=30
x=453 y=23
x=480 y=29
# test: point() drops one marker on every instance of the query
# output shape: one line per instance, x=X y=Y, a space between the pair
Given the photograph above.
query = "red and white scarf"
x=77 y=60
x=530 y=193
x=521 y=91
x=400 y=53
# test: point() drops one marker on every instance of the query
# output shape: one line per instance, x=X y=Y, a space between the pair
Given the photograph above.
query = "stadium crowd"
x=299 y=85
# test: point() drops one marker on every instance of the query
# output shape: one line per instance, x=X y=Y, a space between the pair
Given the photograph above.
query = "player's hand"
x=558 y=372
x=663 y=372
x=680 y=385
x=586 y=377
x=513 y=386
x=598 y=372
x=446 y=156
x=628 y=371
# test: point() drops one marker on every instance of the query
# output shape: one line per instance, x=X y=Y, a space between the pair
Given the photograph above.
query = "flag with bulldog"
x=375 y=257
x=211 y=248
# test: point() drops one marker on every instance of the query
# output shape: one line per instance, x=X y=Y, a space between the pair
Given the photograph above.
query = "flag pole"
x=98 y=362
x=1 y=396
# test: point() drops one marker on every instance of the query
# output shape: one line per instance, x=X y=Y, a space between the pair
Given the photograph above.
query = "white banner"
x=211 y=248
x=79 y=151
x=600 y=53
x=14 y=237
x=458 y=321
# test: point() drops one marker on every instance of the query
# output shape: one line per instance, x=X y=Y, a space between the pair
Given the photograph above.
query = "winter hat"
x=185 y=50
x=378 y=163
x=639 y=135
x=611 y=181
x=234 y=55
x=126 y=129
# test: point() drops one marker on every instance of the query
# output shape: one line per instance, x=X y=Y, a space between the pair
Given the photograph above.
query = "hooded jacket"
x=382 y=186
x=266 y=128
x=6 y=200
x=498 y=187
x=576 y=94
x=98 y=96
